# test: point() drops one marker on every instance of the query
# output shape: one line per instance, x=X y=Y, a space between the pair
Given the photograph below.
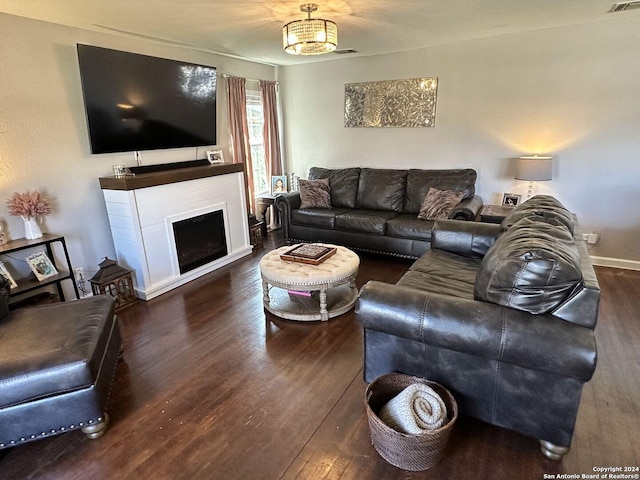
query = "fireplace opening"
x=200 y=240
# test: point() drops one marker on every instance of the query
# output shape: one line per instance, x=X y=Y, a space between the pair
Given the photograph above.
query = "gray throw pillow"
x=315 y=193
x=439 y=203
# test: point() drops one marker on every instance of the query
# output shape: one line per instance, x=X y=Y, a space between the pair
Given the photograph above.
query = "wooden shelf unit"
x=30 y=283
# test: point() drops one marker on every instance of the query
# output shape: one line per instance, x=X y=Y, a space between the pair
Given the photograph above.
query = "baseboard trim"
x=615 y=263
x=176 y=281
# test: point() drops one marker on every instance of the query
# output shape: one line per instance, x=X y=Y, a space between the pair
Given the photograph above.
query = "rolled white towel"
x=414 y=410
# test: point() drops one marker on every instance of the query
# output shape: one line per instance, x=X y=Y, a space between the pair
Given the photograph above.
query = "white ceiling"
x=253 y=29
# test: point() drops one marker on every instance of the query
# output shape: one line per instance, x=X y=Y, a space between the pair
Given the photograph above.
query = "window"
x=255 y=120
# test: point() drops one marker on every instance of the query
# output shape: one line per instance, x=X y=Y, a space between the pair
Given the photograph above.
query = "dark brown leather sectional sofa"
x=376 y=209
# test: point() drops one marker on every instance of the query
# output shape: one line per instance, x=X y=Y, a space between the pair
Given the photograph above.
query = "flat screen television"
x=137 y=102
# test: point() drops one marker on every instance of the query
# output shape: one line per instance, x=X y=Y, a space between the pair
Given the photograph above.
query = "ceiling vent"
x=347 y=51
x=624 y=6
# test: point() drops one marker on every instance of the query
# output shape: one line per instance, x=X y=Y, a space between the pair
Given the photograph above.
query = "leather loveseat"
x=376 y=209
x=502 y=315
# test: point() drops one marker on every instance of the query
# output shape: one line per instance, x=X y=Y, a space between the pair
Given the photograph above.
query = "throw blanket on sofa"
x=414 y=410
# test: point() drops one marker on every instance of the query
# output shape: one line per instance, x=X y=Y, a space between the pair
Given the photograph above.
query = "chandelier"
x=311 y=36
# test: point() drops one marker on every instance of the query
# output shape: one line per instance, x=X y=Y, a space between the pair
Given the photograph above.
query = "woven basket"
x=408 y=452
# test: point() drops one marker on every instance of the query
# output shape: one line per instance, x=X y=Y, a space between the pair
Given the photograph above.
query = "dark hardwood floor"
x=211 y=388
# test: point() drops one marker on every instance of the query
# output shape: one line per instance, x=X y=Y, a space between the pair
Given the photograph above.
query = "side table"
x=494 y=213
x=264 y=203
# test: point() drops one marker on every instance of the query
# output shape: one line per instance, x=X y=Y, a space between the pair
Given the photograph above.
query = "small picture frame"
x=215 y=156
x=511 y=200
x=279 y=184
x=41 y=266
x=5 y=273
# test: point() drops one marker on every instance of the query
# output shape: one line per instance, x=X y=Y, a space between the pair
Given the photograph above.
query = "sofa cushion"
x=381 y=189
x=53 y=348
x=343 y=184
x=314 y=193
x=439 y=204
x=317 y=217
x=442 y=273
x=364 y=221
x=468 y=239
x=419 y=182
x=543 y=206
x=406 y=225
x=534 y=266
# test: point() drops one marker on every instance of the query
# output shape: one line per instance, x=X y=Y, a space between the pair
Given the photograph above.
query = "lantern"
x=116 y=281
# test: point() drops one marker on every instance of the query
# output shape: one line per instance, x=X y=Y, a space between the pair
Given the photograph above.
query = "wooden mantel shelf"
x=144 y=180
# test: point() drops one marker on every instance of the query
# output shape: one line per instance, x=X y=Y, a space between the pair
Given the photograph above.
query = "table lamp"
x=534 y=169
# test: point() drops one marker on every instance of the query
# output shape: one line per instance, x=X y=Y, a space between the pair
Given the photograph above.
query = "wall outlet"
x=593 y=238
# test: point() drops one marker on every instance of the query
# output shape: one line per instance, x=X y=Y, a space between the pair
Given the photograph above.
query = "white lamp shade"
x=534 y=168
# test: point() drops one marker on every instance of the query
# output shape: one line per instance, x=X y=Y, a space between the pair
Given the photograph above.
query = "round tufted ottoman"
x=299 y=291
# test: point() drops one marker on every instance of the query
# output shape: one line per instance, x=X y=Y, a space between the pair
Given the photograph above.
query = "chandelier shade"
x=310 y=36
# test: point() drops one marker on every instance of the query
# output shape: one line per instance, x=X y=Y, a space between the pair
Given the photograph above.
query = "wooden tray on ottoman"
x=309 y=253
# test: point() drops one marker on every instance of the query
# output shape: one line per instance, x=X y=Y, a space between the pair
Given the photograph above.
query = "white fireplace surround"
x=142 y=219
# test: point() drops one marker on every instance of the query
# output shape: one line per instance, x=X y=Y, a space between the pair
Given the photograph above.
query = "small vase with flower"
x=29 y=206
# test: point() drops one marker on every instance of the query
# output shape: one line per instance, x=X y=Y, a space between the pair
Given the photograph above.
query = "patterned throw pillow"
x=315 y=193
x=439 y=203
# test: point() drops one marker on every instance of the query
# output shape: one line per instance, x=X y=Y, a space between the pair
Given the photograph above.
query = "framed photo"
x=215 y=156
x=5 y=273
x=41 y=265
x=279 y=184
x=511 y=200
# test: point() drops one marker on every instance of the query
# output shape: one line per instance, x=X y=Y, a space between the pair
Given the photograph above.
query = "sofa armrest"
x=286 y=203
x=289 y=200
x=486 y=330
x=467 y=209
x=469 y=239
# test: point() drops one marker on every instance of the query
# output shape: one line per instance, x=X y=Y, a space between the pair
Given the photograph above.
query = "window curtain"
x=237 y=93
x=271 y=137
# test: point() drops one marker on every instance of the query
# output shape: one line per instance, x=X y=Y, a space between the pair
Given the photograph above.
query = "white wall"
x=43 y=137
x=569 y=92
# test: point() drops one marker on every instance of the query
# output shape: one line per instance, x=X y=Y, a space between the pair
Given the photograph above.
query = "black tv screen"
x=137 y=102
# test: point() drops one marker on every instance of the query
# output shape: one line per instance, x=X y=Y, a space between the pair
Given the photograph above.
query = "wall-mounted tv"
x=137 y=102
